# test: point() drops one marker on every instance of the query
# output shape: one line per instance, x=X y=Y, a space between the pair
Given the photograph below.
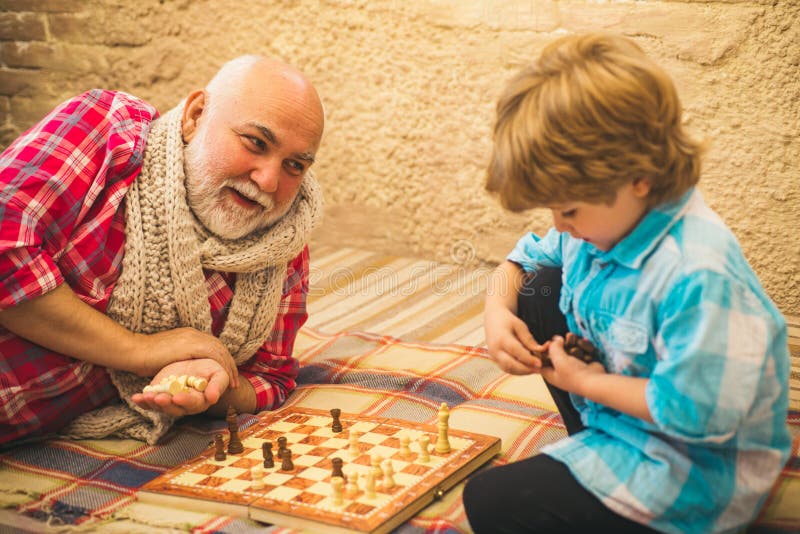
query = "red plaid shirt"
x=62 y=184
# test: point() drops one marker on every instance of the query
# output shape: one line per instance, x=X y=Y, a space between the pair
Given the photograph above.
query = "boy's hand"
x=567 y=372
x=511 y=344
x=188 y=402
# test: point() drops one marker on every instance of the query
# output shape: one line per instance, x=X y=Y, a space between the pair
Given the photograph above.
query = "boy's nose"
x=558 y=222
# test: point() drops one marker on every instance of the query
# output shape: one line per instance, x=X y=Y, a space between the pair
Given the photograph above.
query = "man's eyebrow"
x=272 y=138
x=266 y=132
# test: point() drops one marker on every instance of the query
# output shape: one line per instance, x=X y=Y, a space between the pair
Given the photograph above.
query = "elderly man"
x=134 y=247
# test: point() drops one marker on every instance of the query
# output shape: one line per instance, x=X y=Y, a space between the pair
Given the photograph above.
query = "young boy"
x=680 y=425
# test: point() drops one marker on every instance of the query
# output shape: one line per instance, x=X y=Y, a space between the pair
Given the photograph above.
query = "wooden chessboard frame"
x=401 y=507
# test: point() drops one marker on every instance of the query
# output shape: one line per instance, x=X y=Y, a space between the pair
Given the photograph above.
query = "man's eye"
x=256 y=142
x=295 y=167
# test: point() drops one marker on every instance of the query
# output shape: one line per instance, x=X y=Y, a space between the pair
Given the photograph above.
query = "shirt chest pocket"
x=624 y=342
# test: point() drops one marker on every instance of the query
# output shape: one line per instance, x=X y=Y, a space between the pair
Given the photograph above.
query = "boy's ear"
x=195 y=105
x=641 y=187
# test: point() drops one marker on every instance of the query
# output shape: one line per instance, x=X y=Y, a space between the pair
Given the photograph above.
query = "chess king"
x=134 y=247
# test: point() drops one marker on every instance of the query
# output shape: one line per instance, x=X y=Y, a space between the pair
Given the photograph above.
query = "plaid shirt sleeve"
x=61 y=184
x=273 y=370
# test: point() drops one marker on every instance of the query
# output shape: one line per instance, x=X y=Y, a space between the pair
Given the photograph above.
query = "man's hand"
x=510 y=343
x=155 y=351
x=191 y=401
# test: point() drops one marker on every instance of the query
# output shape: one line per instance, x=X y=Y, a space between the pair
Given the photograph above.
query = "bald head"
x=246 y=76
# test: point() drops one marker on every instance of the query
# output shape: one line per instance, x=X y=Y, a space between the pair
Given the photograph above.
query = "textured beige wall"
x=410 y=89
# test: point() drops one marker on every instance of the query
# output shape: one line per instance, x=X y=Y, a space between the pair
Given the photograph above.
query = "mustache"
x=249 y=190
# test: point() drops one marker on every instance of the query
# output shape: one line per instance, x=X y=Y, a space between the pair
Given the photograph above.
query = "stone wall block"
x=42 y=6
x=54 y=57
x=92 y=28
x=22 y=27
x=517 y=15
x=16 y=81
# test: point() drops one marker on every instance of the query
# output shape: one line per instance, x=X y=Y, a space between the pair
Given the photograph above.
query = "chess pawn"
x=337 y=469
x=424 y=451
x=266 y=452
x=353 y=449
x=375 y=462
x=337 y=484
x=286 y=464
x=405 y=450
x=351 y=490
x=257 y=477
x=219 y=453
x=388 y=475
x=370 y=486
x=336 y=425
x=281 y=446
x=442 y=443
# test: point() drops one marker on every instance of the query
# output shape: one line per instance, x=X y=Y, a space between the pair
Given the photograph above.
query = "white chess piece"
x=375 y=462
x=405 y=450
x=353 y=449
x=424 y=451
x=388 y=475
x=257 y=477
x=442 y=443
x=351 y=490
x=337 y=484
x=371 y=484
x=197 y=383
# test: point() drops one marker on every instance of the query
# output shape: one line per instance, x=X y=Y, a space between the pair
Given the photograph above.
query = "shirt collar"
x=634 y=248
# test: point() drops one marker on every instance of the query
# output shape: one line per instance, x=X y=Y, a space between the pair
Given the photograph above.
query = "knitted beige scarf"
x=166 y=250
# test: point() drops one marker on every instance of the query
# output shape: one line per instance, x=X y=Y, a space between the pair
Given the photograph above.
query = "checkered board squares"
x=302 y=498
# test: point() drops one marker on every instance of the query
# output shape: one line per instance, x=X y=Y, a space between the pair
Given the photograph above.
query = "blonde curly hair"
x=590 y=115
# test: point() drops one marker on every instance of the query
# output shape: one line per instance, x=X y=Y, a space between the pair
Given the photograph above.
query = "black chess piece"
x=266 y=449
x=336 y=426
x=234 y=442
x=286 y=464
x=281 y=446
x=337 y=469
x=219 y=454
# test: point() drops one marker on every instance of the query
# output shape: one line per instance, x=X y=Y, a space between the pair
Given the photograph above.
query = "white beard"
x=210 y=200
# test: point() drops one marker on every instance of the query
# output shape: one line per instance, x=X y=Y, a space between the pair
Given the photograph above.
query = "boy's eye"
x=568 y=213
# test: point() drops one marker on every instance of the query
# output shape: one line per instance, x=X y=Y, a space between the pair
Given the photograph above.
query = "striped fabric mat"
x=420 y=300
x=361 y=306
x=410 y=299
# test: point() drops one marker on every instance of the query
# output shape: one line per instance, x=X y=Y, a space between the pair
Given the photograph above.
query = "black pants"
x=539 y=494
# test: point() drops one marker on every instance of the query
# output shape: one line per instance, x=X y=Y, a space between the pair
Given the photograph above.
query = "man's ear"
x=195 y=105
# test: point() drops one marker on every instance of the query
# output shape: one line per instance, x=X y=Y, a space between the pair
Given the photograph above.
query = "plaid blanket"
x=91 y=485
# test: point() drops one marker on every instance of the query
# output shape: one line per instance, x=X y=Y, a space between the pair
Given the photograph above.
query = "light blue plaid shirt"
x=675 y=301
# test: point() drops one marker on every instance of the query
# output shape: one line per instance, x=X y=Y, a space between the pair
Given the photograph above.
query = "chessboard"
x=369 y=498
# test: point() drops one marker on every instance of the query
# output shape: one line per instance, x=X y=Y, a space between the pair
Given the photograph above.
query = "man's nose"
x=267 y=177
